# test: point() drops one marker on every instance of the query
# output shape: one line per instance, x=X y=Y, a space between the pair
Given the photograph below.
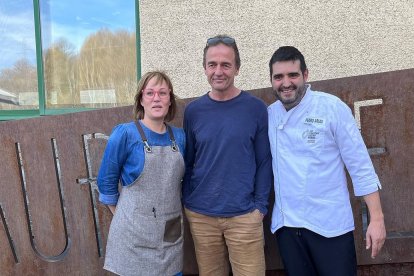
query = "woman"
x=146 y=233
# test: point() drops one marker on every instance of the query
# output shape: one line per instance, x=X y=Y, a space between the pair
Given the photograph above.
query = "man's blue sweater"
x=228 y=159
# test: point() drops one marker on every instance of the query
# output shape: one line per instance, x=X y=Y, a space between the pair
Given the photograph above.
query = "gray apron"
x=146 y=232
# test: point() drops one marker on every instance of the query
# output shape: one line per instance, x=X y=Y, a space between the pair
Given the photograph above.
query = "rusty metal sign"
x=51 y=222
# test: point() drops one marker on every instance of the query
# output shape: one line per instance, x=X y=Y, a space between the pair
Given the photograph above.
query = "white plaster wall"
x=337 y=38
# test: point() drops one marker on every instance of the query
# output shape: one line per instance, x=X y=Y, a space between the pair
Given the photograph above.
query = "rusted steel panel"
x=48 y=217
x=388 y=126
x=51 y=222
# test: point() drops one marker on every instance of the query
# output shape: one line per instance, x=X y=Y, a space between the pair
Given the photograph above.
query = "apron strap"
x=172 y=138
x=143 y=137
x=147 y=147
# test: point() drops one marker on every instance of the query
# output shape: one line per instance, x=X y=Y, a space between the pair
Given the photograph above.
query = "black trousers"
x=305 y=253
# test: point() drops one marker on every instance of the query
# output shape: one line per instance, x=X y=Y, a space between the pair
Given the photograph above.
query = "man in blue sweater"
x=228 y=168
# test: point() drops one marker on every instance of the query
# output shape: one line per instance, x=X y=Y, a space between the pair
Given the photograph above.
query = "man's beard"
x=298 y=94
x=279 y=91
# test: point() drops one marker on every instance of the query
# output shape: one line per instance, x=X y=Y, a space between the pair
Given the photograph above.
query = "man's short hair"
x=287 y=53
x=226 y=40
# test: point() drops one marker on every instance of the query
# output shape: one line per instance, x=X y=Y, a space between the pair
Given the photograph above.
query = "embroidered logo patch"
x=310 y=136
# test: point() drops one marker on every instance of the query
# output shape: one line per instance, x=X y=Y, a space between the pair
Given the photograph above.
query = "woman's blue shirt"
x=123 y=159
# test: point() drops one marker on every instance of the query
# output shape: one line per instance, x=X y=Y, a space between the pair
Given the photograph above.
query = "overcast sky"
x=72 y=20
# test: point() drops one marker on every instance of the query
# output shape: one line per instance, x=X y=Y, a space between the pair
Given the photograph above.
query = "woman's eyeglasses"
x=151 y=94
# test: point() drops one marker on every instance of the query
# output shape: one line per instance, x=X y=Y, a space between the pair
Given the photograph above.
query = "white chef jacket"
x=311 y=144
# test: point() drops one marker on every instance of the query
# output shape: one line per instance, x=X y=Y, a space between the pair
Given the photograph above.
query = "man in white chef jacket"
x=313 y=138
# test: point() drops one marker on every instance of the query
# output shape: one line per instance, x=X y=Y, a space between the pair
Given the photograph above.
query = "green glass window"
x=66 y=55
x=89 y=52
x=18 y=77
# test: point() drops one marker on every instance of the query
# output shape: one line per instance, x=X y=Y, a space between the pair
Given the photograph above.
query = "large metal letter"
x=357 y=107
x=93 y=188
x=371 y=151
x=6 y=227
x=62 y=204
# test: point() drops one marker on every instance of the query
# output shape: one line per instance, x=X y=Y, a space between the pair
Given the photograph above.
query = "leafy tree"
x=59 y=62
x=21 y=77
x=106 y=61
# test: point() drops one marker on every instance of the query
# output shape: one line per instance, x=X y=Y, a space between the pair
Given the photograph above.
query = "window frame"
x=43 y=111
